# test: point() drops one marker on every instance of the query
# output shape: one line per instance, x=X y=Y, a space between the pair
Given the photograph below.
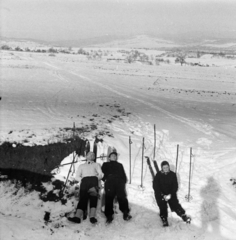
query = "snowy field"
x=191 y=106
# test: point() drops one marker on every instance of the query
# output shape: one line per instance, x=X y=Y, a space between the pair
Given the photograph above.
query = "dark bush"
x=52 y=50
x=5 y=47
x=18 y=49
x=38 y=159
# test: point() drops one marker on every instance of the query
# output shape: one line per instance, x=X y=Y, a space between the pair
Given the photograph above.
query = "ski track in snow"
x=200 y=127
x=204 y=128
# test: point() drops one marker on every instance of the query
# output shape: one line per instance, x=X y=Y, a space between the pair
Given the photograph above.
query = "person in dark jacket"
x=115 y=180
x=165 y=186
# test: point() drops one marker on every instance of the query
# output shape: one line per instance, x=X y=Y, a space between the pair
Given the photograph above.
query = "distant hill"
x=151 y=42
x=141 y=41
x=87 y=42
x=132 y=42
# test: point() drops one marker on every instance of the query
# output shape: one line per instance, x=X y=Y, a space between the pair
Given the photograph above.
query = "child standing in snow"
x=88 y=174
x=115 y=180
x=165 y=186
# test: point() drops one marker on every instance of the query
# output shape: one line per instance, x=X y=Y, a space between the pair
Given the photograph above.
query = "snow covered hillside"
x=190 y=106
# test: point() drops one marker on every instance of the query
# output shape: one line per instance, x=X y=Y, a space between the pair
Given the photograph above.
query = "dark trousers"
x=174 y=206
x=115 y=188
x=88 y=192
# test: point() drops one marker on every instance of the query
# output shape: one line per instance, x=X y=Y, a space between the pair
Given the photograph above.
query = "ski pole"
x=190 y=170
x=177 y=156
x=142 y=164
x=154 y=152
x=61 y=165
x=189 y=182
x=130 y=142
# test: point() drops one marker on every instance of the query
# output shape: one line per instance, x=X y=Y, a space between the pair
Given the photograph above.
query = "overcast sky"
x=76 y=19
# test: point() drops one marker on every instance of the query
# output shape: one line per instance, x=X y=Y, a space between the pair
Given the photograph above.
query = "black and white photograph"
x=117 y=119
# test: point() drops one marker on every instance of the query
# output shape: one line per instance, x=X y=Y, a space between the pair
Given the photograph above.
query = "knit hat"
x=164 y=163
x=112 y=153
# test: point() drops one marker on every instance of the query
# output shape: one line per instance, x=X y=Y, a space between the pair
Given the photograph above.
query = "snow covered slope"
x=191 y=106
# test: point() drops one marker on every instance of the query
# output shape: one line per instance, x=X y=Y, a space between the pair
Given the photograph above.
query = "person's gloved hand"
x=93 y=191
x=167 y=197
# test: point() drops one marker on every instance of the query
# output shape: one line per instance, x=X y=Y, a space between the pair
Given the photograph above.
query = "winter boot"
x=109 y=219
x=126 y=216
x=74 y=219
x=164 y=221
x=93 y=220
x=186 y=218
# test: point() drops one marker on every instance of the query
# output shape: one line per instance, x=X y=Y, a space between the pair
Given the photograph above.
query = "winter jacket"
x=113 y=170
x=89 y=169
x=164 y=184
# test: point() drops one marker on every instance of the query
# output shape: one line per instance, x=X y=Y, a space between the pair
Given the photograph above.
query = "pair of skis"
x=151 y=168
x=103 y=156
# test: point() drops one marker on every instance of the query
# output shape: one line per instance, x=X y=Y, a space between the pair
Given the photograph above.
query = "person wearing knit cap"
x=165 y=186
x=115 y=180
